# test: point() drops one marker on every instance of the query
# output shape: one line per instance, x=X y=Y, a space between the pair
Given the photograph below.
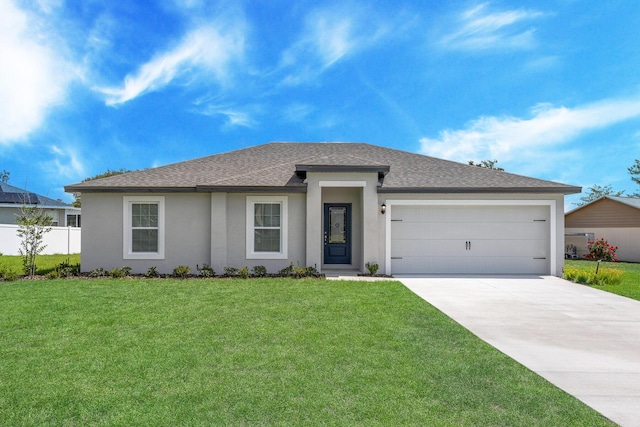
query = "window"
x=73 y=220
x=143 y=236
x=267 y=227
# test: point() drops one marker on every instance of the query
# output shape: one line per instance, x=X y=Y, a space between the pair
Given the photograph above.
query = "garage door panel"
x=468 y=248
x=470 y=239
x=457 y=214
x=470 y=265
x=476 y=230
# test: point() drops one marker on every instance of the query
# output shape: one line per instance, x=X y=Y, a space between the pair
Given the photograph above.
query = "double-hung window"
x=267 y=227
x=143 y=236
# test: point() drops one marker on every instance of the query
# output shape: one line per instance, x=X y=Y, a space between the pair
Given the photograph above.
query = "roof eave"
x=343 y=168
x=196 y=189
x=476 y=190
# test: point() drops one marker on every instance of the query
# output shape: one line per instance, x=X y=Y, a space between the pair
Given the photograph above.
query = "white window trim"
x=127 y=252
x=284 y=216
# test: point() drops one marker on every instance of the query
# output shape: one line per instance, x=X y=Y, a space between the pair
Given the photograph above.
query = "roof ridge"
x=253 y=172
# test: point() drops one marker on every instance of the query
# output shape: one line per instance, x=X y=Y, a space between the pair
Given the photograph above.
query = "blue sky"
x=551 y=89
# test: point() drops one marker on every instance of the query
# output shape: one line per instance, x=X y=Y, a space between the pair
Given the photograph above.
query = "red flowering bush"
x=601 y=250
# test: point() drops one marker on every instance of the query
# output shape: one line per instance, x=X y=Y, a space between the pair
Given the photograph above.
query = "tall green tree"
x=33 y=224
x=634 y=171
x=487 y=164
x=595 y=192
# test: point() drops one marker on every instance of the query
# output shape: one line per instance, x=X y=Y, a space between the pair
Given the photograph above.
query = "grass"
x=44 y=263
x=255 y=352
x=630 y=285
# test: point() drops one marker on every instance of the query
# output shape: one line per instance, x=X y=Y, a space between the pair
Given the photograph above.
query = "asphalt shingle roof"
x=274 y=165
x=634 y=202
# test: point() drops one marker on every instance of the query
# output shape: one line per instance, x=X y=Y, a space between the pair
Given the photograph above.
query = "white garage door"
x=470 y=239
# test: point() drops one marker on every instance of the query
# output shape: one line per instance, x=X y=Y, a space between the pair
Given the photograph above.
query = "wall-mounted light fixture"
x=383 y=208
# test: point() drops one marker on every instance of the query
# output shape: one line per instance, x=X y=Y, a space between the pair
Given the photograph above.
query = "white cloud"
x=297 y=112
x=329 y=35
x=480 y=28
x=206 y=49
x=33 y=75
x=65 y=163
x=234 y=116
x=540 y=136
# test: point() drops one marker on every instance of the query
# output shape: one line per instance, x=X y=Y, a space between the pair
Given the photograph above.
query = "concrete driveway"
x=583 y=340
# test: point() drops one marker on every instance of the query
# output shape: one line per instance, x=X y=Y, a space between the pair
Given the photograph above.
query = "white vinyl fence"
x=60 y=240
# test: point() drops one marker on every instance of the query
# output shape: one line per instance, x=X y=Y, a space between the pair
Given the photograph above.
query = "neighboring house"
x=61 y=239
x=13 y=198
x=330 y=205
x=615 y=219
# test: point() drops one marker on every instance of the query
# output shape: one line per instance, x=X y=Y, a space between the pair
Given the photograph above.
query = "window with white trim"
x=73 y=220
x=143 y=236
x=267 y=227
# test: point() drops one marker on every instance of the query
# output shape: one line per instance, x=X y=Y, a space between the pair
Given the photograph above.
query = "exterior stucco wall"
x=359 y=189
x=236 y=234
x=626 y=239
x=187 y=233
x=8 y=215
x=352 y=196
x=559 y=217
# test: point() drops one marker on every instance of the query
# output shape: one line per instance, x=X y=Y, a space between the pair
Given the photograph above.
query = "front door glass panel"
x=338 y=224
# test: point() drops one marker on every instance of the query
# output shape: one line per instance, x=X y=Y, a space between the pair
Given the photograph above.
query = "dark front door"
x=337 y=233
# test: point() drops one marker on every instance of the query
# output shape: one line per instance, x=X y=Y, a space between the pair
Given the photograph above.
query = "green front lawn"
x=255 y=352
x=44 y=263
x=630 y=286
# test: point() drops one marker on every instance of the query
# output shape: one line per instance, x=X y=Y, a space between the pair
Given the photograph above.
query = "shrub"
x=152 y=272
x=287 y=271
x=605 y=276
x=601 y=250
x=97 y=272
x=299 y=272
x=7 y=274
x=53 y=274
x=372 y=267
x=126 y=270
x=181 y=271
x=230 y=271
x=259 y=271
x=116 y=273
x=609 y=276
x=243 y=273
x=66 y=269
x=205 y=271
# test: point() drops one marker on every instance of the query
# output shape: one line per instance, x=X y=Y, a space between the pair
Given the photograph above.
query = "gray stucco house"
x=330 y=205
x=13 y=198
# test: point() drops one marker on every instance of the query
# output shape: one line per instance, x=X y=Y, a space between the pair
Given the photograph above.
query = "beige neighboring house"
x=335 y=206
x=615 y=219
x=64 y=238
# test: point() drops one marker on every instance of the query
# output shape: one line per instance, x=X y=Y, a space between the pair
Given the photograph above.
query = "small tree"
x=33 y=225
x=4 y=176
x=601 y=250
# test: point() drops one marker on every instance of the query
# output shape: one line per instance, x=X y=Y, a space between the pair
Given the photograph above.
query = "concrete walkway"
x=583 y=340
